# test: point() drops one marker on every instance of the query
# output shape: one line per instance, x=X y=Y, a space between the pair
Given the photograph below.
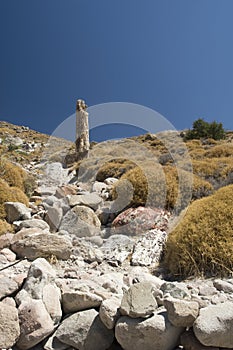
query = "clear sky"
x=174 y=56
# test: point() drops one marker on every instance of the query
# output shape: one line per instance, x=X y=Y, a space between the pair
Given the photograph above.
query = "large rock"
x=35 y=323
x=7 y=286
x=9 y=325
x=16 y=211
x=214 y=325
x=117 y=248
x=40 y=284
x=190 y=342
x=181 y=313
x=32 y=223
x=73 y=301
x=223 y=286
x=139 y=300
x=85 y=331
x=135 y=221
x=153 y=333
x=42 y=245
x=91 y=200
x=55 y=175
x=149 y=247
x=81 y=221
x=53 y=217
x=109 y=311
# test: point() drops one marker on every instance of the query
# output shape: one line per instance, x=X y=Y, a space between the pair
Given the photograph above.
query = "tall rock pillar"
x=82 y=130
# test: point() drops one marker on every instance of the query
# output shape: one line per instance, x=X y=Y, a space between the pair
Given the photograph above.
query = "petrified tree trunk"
x=82 y=130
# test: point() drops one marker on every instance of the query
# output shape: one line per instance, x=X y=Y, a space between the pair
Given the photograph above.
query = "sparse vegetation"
x=202 y=242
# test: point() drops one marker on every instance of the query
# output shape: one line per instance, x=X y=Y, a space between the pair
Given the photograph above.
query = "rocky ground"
x=75 y=275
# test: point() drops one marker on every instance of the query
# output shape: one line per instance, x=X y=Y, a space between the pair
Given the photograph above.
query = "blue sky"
x=174 y=56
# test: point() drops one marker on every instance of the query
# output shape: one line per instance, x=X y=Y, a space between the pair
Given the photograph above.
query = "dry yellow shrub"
x=223 y=150
x=202 y=243
x=11 y=173
x=5 y=227
x=114 y=168
x=10 y=194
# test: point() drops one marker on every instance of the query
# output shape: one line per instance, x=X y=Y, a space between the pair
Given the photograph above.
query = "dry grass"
x=202 y=244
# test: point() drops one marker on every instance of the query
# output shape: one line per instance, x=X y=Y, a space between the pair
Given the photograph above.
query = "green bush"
x=114 y=168
x=202 y=129
x=202 y=243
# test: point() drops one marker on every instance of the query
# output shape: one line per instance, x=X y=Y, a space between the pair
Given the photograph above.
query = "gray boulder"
x=9 y=325
x=35 y=324
x=7 y=286
x=213 y=326
x=223 y=286
x=53 y=217
x=16 y=211
x=139 y=301
x=153 y=333
x=91 y=200
x=181 y=313
x=42 y=245
x=109 y=311
x=81 y=221
x=40 y=285
x=32 y=223
x=85 y=331
x=76 y=300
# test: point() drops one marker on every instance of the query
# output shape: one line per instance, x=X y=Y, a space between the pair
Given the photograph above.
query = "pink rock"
x=135 y=221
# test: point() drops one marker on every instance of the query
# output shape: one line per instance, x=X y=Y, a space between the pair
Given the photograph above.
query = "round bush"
x=202 y=243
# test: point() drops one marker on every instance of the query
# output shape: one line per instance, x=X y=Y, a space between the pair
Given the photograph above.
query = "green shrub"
x=202 y=129
x=202 y=243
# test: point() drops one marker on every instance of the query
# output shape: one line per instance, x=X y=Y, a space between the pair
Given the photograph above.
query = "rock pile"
x=74 y=275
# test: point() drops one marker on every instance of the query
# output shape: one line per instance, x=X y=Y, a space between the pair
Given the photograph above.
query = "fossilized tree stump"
x=82 y=130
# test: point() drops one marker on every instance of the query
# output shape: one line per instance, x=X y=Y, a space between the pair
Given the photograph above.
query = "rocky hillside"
x=92 y=257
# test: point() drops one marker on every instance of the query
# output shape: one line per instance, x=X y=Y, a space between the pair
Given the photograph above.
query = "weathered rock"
x=81 y=221
x=91 y=200
x=73 y=301
x=139 y=301
x=32 y=223
x=207 y=290
x=16 y=211
x=35 y=323
x=181 y=313
x=109 y=312
x=66 y=190
x=190 y=342
x=153 y=333
x=117 y=248
x=134 y=221
x=148 y=248
x=5 y=240
x=175 y=290
x=54 y=344
x=40 y=284
x=55 y=175
x=223 y=286
x=8 y=254
x=53 y=217
x=9 y=325
x=85 y=331
x=7 y=286
x=43 y=245
x=213 y=326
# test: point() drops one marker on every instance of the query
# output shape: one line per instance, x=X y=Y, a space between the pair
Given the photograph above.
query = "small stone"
x=139 y=301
